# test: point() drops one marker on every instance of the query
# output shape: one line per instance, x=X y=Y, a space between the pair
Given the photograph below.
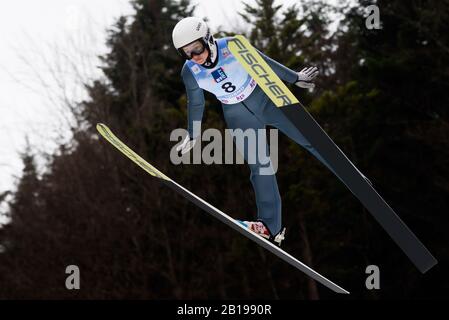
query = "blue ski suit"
x=254 y=111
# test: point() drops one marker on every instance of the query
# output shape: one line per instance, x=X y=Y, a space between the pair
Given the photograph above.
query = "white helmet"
x=191 y=29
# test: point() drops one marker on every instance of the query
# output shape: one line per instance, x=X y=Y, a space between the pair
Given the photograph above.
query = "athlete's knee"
x=266 y=189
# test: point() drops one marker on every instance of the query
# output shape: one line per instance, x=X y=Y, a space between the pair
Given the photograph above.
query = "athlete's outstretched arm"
x=303 y=78
x=195 y=100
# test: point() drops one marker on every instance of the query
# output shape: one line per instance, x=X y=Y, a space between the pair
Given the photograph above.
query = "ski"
x=283 y=98
x=223 y=217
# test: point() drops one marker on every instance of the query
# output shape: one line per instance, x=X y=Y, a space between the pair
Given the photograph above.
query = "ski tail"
x=351 y=177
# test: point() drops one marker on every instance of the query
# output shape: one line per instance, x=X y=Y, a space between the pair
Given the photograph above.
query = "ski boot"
x=259 y=228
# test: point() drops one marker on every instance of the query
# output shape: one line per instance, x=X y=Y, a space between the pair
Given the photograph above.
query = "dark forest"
x=383 y=97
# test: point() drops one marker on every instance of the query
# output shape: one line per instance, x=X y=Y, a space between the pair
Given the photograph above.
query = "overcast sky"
x=36 y=38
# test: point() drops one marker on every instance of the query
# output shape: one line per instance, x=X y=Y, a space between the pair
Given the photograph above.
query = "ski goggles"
x=195 y=48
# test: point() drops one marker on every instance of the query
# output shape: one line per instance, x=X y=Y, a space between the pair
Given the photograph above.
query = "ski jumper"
x=245 y=106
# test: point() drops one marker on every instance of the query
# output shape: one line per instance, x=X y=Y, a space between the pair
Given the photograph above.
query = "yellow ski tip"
x=101 y=126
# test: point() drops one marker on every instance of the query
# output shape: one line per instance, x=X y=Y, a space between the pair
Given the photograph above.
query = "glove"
x=305 y=77
x=186 y=145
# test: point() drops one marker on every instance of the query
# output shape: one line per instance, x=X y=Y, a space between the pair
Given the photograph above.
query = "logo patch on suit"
x=219 y=75
x=225 y=52
x=196 y=69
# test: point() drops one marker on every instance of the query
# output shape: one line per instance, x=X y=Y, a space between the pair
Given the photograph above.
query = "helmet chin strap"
x=212 y=58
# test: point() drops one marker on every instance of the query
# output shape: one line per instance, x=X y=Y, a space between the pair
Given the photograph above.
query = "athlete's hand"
x=186 y=145
x=305 y=77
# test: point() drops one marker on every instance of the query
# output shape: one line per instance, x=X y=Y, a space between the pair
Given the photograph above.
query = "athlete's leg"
x=262 y=177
